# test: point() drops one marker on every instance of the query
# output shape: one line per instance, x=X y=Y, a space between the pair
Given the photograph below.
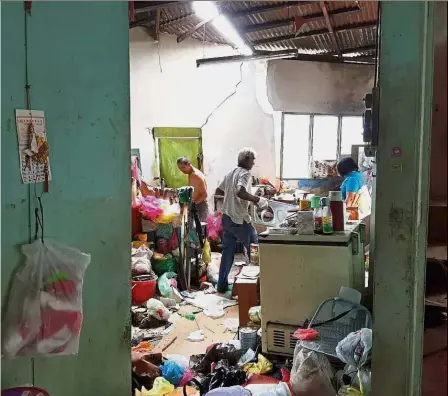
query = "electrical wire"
x=226 y=98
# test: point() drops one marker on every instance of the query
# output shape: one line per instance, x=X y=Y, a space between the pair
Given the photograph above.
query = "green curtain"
x=170 y=149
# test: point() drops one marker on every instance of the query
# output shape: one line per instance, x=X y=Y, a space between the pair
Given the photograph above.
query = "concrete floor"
x=435 y=362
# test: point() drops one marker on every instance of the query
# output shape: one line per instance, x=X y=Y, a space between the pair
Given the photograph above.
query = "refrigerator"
x=298 y=272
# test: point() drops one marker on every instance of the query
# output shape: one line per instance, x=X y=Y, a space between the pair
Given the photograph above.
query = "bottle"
x=317 y=214
x=337 y=210
x=327 y=217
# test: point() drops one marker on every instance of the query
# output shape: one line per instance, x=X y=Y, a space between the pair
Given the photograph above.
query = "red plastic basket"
x=25 y=391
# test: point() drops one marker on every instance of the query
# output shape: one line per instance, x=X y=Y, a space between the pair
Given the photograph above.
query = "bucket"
x=142 y=291
x=248 y=338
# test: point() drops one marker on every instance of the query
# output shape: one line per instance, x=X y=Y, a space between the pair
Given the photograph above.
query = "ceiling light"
x=208 y=11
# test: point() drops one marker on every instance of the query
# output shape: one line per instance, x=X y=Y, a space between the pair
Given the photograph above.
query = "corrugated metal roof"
x=353 y=30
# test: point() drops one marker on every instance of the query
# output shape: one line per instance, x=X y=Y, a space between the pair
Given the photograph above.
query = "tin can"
x=255 y=253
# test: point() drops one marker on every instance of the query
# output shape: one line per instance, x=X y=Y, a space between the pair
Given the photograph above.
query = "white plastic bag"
x=44 y=310
x=311 y=373
x=355 y=348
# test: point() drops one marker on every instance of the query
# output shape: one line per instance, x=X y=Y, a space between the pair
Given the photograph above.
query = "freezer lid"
x=337 y=238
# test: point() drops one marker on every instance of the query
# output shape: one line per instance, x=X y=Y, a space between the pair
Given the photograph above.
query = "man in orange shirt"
x=196 y=179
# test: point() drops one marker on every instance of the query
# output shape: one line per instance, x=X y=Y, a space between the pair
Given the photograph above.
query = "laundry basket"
x=335 y=319
x=25 y=391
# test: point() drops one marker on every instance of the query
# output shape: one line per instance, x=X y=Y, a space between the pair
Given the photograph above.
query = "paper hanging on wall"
x=34 y=151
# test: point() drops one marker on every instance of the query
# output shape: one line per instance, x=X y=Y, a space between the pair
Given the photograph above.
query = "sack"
x=214 y=226
x=311 y=373
x=44 y=311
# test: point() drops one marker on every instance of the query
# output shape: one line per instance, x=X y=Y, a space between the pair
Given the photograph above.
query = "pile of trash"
x=224 y=368
x=229 y=369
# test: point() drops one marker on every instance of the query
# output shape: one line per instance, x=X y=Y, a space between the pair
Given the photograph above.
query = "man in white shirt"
x=236 y=222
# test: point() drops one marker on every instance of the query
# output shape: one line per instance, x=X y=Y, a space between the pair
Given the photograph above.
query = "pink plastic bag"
x=214 y=226
x=150 y=207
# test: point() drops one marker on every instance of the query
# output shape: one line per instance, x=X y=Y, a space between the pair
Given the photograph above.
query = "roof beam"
x=286 y=54
x=265 y=8
x=330 y=28
x=313 y=33
x=195 y=28
x=287 y=21
x=154 y=7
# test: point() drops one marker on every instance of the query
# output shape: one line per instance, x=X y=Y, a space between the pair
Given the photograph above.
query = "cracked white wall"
x=183 y=95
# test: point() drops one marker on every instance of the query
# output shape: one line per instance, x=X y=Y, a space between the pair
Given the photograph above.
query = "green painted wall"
x=79 y=72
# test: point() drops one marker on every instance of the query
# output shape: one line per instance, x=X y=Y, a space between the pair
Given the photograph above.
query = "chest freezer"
x=298 y=272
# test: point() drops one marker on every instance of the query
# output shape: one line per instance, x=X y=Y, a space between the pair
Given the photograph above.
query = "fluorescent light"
x=207 y=10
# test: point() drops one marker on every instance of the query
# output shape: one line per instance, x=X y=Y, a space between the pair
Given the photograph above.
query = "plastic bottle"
x=317 y=214
x=327 y=217
x=337 y=210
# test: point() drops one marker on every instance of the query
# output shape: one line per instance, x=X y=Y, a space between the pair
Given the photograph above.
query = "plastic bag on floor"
x=44 y=310
x=160 y=388
x=263 y=366
x=172 y=372
x=225 y=376
x=311 y=374
x=158 y=310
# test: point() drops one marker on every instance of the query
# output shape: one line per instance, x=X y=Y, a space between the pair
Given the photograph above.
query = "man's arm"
x=242 y=193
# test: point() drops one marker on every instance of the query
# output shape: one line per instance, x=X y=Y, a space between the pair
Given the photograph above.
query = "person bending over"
x=236 y=222
x=196 y=179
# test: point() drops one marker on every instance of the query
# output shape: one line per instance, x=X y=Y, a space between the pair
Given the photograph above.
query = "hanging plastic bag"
x=206 y=253
x=214 y=226
x=44 y=311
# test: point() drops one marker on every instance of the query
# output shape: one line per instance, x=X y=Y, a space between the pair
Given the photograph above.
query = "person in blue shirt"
x=353 y=188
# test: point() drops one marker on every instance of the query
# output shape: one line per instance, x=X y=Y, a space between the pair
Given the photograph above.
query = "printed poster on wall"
x=34 y=150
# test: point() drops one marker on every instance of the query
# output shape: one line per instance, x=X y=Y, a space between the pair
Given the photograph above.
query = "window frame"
x=310 y=136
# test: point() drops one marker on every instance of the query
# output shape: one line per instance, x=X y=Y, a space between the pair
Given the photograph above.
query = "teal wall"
x=79 y=72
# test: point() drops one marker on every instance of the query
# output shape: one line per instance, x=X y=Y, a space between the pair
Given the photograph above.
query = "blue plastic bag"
x=172 y=372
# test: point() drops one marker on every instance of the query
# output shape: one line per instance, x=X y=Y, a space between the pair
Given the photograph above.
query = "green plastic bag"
x=167 y=264
x=164 y=284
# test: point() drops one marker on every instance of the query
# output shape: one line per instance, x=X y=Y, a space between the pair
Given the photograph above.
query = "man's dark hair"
x=347 y=165
x=183 y=161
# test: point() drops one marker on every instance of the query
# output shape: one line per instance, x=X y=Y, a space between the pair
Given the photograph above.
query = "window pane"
x=325 y=138
x=351 y=133
x=295 y=146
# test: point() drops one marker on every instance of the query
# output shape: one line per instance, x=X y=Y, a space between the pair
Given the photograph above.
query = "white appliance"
x=297 y=273
x=278 y=209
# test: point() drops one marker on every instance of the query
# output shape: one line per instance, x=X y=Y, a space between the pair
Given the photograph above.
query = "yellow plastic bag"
x=263 y=366
x=160 y=388
x=206 y=253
